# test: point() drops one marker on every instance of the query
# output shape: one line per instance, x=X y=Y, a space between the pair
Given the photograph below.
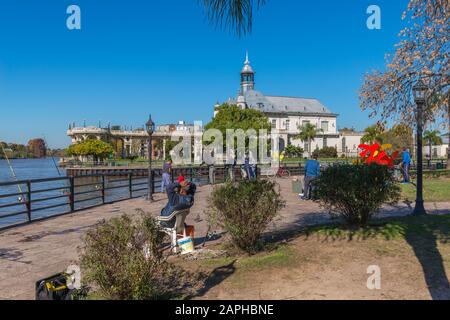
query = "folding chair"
x=179 y=228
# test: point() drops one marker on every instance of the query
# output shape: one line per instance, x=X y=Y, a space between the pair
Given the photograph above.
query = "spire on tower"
x=247 y=76
x=247 y=67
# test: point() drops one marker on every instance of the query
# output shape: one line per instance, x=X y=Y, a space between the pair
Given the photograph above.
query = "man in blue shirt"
x=406 y=164
x=312 y=171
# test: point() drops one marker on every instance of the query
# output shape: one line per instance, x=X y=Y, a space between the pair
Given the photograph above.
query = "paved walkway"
x=38 y=250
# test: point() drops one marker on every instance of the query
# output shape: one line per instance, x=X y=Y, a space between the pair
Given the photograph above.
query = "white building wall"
x=436 y=151
x=348 y=144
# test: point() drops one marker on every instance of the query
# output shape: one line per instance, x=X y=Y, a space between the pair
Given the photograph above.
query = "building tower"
x=247 y=77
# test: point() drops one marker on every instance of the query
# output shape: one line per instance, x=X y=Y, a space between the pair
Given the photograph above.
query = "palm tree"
x=308 y=133
x=373 y=134
x=432 y=138
x=234 y=14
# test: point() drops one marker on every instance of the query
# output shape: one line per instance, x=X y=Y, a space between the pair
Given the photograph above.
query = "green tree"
x=326 y=152
x=97 y=149
x=399 y=136
x=373 y=134
x=293 y=151
x=308 y=133
x=432 y=138
x=233 y=117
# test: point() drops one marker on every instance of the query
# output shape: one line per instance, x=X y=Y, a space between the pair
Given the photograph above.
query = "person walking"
x=312 y=172
x=166 y=173
x=406 y=164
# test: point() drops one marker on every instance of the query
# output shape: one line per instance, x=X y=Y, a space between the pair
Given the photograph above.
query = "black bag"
x=53 y=288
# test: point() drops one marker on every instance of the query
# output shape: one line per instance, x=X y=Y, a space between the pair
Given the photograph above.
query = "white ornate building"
x=288 y=114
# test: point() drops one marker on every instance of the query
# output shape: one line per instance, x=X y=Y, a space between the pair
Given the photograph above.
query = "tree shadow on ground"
x=424 y=243
x=421 y=233
x=216 y=277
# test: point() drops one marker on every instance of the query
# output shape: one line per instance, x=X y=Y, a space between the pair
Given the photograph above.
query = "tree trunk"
x=448 y=133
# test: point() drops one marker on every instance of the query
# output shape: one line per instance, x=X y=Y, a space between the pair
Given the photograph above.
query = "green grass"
x=282 y=255
x=388 y=229
x=433 y=190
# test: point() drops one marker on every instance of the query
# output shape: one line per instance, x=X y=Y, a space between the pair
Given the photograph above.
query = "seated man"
x=180 y=196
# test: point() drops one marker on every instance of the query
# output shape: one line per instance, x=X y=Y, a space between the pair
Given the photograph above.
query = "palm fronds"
x=237 y=15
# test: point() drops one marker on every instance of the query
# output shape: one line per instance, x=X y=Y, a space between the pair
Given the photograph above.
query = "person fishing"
x=180 y=195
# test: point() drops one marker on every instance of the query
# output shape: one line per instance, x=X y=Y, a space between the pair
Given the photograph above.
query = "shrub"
x=293 y=151
x=122 y=260
x=326 y=152
x=356 y=192
x=244 y=209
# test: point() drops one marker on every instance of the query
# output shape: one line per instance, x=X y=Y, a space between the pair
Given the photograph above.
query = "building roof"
x=278 y=104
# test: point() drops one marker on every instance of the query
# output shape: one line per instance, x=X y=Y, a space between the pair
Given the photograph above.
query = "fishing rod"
x=53 y=158
x=65 y=192
x=13 y=173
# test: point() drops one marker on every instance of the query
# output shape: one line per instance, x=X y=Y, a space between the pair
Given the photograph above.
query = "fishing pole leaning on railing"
x=13 y=173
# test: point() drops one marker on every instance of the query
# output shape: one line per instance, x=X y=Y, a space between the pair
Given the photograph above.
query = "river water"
x=28 y=169
x=32 y=169
x=87 y=193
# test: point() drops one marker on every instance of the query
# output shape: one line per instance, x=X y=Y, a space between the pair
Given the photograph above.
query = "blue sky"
x=136 y=57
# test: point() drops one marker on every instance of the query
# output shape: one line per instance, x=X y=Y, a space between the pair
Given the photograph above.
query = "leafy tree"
x=432 y=138
x=14 y=151
x=95 y=148
x=37 y=147
x=326 y=152
x=292 y=151
x=373 y=134
x=345 y=129
x=399 y=136
x=308 y=133
x=422 y=53
x=233 y=117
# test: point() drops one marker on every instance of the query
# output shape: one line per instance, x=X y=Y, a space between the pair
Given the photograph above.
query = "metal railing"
x=33 y=200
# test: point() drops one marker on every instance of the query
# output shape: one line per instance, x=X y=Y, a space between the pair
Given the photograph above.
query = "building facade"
x=437 y=151
x=129 y=142
x=288 y=114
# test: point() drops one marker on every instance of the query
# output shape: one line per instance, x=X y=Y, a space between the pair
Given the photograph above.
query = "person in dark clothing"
x=180 y=196
x=312 y=171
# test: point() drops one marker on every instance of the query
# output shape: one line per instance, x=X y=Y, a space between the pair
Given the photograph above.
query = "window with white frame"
x=274 y=123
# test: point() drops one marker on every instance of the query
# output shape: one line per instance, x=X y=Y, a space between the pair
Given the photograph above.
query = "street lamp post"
x=150 y=127
x=419 y=92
